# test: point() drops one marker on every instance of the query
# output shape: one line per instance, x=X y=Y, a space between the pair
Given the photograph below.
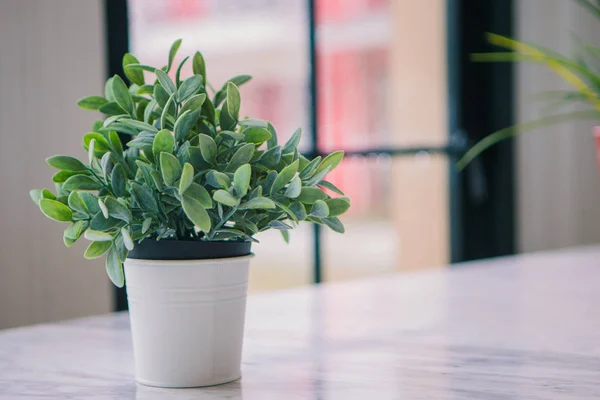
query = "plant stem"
x=222 y=222
x=102 y=182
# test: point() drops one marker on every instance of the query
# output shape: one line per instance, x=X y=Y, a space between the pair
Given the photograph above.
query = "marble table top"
x=525 y=327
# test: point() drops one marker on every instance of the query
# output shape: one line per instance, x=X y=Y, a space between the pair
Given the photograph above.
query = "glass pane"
x=398 y=219
x=378 y=86
x=263 y=38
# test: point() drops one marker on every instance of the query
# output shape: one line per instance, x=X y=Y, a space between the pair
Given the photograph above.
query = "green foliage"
x=193 y=168
x=581 y=72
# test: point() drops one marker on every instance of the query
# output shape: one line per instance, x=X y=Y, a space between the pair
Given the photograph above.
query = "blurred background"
x=389 y=81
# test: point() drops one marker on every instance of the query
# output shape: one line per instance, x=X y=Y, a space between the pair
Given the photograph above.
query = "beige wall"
x=51 y=54
x=418 y=104
x=558 y=179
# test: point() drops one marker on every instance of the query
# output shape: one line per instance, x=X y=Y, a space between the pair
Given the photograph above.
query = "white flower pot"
x=187 y=319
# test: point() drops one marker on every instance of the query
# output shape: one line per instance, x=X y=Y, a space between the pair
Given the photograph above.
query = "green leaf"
x=320 y=209
x=81 y=182
x=106 y=165
x=241 y=180
x=138 y=126
x=141 y=67
x=157 y=180
x=112 y=108
x=195 y=157
x=335 y=224
x=163 y=142
x=73 y=232
x=144 y=196
x=117 y=210
x=272 y=142
x=36 y=195
x=224 y=197
x=196 y=213
x=170 y=168
x=284 y=177
x=331 y=186
x=331 y=161
x=271 y=157
x=146 y=224
x=256 y=135
x=309 y=195
x=161 y=96
x=208 y=110
x=122 y=95
x=317 y=177
x=338 y=206
x=268 y=182
x=285 y=235
x=208 y=147
x=114 y=268
x=242 y=156
x=310 y=168
x=253 y=122
x=127 y=241
x=299 y=210
x=47 y=194
x=66 y=163
x=145 y=89
x=187 y=176
x=226 y=121
x=173 y=52
x=291 y=145
x=199 y=193
x=150 y=109
x=199 y=66
x=108 y=92
x=233 y=101
x=236 y=136
x=91 y=202
x=92 y=102
x=184 y=123
x=257 y=203
x=135 y=75
x=91 y=151
x=98 y=236
x=62 y=176
x=99 y=223
x=102 y=145
x=103 y=208
x=514 y=130
x=165 y=82
x=178 y=72
x=194 y=103
x=279 y=225
x=218 y=179
x=293 y=190
x=96 y=249
x=189 y=87
x=119 y=180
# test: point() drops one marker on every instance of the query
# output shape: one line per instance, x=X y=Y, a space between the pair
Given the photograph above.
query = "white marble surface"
x=517 y=328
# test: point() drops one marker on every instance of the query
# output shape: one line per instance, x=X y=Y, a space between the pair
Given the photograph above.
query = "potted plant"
x=179 y=206
x=576 y=71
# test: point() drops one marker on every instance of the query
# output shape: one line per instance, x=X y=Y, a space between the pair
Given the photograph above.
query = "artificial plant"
x=191 y=168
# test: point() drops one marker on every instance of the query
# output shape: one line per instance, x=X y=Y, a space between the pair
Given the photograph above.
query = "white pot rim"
x=201 y=261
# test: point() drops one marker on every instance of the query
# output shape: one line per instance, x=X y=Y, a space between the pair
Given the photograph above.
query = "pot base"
x=168 y=386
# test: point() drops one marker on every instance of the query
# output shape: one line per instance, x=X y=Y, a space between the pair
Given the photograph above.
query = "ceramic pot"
x=187 y=303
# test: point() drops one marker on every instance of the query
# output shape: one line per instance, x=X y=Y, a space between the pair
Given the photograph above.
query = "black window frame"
x=479 y=99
